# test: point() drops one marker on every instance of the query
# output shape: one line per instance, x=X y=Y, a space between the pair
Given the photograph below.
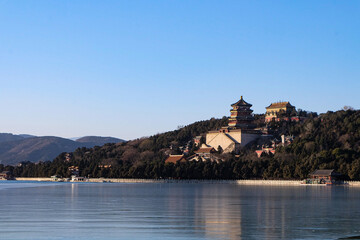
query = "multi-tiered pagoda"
x=241 y=115
x=239 y=132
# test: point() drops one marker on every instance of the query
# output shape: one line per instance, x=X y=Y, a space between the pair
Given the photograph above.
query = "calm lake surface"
x=33 y=210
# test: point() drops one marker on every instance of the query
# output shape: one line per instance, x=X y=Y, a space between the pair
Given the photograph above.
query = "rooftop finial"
x=241 y=98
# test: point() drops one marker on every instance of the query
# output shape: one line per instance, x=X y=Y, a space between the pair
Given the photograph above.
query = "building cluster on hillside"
x=105 y=166
x=74 y=170
x=68 y=157
x=240 y=131
x=271 y=148
x=6 y=175
x=205 y=153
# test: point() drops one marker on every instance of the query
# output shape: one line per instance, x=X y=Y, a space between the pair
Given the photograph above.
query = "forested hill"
x=124 y=155
x=331 y=140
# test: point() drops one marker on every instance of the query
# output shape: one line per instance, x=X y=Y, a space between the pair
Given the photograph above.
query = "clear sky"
x=136 y=68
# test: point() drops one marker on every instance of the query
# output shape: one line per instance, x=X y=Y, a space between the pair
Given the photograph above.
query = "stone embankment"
x=114 y=180
x=239 y=182
x=353 y=183
x=33 y=179
x=124 y=180
x=270 y=182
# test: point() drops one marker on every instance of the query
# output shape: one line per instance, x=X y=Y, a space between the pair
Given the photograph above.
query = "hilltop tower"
x=241 y=115
x=239 y=132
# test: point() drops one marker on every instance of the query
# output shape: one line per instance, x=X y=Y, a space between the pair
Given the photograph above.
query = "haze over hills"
x=7 y=137
x=20 y=148
x=99 y=140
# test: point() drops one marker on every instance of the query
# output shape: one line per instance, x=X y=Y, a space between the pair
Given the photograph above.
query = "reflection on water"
x=176 y=211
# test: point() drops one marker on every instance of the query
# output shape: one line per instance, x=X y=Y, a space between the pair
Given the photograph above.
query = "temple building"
x=239 y=132
x=241 y=115
x=205 y=153
x=176 y=158
x=272 y=111
x=325 y=176
x=285 y=141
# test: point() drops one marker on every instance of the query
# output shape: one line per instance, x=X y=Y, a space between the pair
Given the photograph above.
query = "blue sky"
x=135 y=68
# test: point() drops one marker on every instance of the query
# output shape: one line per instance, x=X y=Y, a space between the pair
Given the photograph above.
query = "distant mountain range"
x=19 y=148
x=99 y=141
x=7 y=137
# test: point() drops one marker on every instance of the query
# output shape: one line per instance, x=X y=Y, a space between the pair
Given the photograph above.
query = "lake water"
x=33 y=210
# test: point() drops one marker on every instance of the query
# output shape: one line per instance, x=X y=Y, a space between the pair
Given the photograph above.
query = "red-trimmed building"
x=325 y=176
x=197 y=140
x=272 y=112
x=266 y=150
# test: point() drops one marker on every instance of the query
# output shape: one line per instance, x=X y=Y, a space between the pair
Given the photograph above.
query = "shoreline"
x=239 y=182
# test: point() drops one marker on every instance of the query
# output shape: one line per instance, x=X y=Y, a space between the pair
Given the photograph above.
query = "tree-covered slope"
x=331 y=140
x=126 y=158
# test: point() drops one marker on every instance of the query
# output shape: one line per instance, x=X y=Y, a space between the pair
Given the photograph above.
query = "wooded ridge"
x=330 y=140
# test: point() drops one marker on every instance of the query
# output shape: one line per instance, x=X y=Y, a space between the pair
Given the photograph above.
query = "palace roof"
x=280 y=105
x=241 y=102
x=174 y=158
x=324 y=172
x=205 y=150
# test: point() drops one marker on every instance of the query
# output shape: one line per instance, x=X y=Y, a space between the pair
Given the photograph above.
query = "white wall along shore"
x=240 y=182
